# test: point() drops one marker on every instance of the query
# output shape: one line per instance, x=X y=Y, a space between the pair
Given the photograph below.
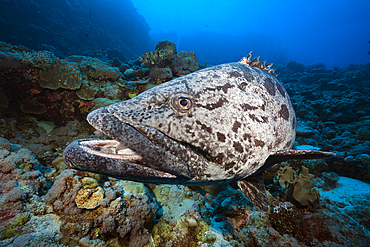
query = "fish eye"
x=183 y=103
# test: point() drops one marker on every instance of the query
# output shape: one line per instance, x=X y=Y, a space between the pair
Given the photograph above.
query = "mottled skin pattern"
x=233 y=117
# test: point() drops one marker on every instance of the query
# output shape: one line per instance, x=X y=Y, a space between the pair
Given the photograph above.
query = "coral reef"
x=167 y=46
x=154 y=58
x=89 y=198
x=164 y=62
x=44 y=203
x=61 y=75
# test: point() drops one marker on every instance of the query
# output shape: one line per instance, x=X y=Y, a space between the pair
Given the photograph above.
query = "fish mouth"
x=132 y=154
x=109 y=157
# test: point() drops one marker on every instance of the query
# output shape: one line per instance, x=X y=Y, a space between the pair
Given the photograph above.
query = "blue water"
x=335 y=33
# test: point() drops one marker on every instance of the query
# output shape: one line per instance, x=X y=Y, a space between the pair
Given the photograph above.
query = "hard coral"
x=160 y=75
x=5 y=144
x=38 y=59
x=62 y=74
x=158 y=58
x=168 y=46
x=87 y=92
x=89 y=198
x=191 y=59
x=94 y=69
x=286 y=219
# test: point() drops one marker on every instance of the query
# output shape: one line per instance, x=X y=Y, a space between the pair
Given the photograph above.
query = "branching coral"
x=159 y=58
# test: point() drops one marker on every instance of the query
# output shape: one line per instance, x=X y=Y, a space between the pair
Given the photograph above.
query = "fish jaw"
x=133 y=138
x=92 y=155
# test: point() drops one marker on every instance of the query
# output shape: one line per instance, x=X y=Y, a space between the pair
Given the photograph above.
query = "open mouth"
x=132 y=153
x=113 y=149
x=111 y=158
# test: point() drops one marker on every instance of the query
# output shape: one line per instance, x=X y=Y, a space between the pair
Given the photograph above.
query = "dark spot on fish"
x=263 y=107
x=204 y=127
x=254 y=165
x=259 y=143
x=160 y=125
x=225 y=87
x=245 y=70
x=262 y=120
x=229 y=165
x=253 y=117
x=238 y=147
x=281 y=89
x=219 y=158
x=220 y=137
x=246 y=136
x=234 y=74
x=247 y=107
x=218 y=104
x=236 y=126
x=284 y=112
x=270 y=86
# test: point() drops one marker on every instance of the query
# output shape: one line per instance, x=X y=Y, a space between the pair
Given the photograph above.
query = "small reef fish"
x=219 y=125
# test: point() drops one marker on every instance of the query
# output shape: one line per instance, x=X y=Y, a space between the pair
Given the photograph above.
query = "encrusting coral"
x=62 y=74
x=89 y=198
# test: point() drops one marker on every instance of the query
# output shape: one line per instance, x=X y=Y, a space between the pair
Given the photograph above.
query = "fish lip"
x=131 y=137
x=84 y=154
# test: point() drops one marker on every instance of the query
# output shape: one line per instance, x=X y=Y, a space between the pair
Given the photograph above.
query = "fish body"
x=217 y=125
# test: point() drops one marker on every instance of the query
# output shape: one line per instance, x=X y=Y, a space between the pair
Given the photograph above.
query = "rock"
x=5 y=144
x=85 y=242
x=22 y=240
x=363 y=159
x=16 y=194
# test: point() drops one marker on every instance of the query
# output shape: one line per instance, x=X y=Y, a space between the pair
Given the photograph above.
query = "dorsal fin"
x=256 y=63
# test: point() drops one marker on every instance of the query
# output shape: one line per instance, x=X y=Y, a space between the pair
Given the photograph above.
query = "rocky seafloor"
x=43 y=103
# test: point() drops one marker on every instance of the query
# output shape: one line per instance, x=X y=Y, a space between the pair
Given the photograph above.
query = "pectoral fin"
x=255 y=192
x=290 y=154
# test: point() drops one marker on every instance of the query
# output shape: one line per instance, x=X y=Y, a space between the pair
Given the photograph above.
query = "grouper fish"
x=219 y=125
